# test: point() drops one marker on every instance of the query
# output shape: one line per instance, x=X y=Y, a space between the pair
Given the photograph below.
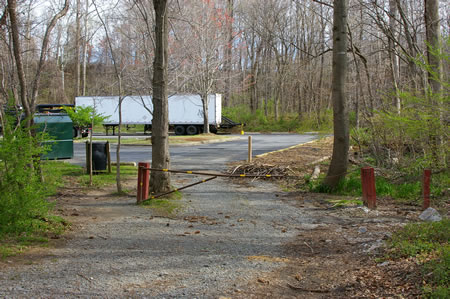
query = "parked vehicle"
x=185 y=111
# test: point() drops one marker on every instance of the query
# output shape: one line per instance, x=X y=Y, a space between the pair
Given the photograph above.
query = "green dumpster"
x=59 y=128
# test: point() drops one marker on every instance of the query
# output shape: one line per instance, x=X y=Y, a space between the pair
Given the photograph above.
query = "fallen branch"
x=82 y=276
x=308 y=290
x=315 y=173
x=312 y=251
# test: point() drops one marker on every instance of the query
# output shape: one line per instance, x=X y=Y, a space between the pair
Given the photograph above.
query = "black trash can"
x=99 y=156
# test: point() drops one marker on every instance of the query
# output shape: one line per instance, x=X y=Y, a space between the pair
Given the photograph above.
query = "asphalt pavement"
x=212 y=156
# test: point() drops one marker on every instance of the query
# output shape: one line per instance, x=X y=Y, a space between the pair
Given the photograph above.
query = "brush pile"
x=262 y=170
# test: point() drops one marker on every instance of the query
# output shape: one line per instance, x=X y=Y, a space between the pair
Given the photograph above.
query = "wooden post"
x=368 y=187
x=250 y=149
x=426 y=188
x=88 y=162
x=108 y=156
x=143 y=181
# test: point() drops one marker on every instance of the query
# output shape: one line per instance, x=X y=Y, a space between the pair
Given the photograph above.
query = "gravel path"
x=225 y=235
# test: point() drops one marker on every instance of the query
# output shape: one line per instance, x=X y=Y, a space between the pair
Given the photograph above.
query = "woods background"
x=269 y=55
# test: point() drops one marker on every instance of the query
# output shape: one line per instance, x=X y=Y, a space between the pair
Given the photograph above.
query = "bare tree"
x=118 y=71
x=85 y=48
x=160 y=181
x=229 y=52
x=205 y=26
x=432 y=23
x=28 y=95
x=339 y=159
x=77 y=48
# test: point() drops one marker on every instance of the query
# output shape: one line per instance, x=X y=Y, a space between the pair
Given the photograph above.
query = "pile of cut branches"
x=262 y=170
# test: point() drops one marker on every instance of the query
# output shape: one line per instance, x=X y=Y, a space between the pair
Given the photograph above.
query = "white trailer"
x=185 y=111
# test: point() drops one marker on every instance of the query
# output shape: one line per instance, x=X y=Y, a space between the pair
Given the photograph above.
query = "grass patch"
x=420 y=238
x=410 y=190
x=166 y=206
x=10 y=249
x=128 y=129
x=337 y=203
x=105 y=179
x=38 y=235
x=113 y=140
x=428 y=244
x=172 y=139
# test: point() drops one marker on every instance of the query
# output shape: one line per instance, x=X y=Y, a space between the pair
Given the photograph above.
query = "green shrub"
x=429 y=241
x=410 y=189
x=418 y=238
x=84 y=116
x=22 y=194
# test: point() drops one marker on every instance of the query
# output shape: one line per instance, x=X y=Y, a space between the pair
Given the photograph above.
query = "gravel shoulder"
x=216 y=244
x=228 y=239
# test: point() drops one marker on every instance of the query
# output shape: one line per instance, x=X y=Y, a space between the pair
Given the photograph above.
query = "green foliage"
x=345 y=202
x=83 y=116
x=259 y=122
x=417 y=136
x=409 y=190
x=419 y=238
x=440 y=269
x=105 y=179
x=22 y=204
x=428 y=243
x=165 y=206
x=320 y=123
x=55 y=171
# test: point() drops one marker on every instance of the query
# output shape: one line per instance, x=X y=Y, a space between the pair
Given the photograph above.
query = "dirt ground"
x=336 y=258
x=332 y=256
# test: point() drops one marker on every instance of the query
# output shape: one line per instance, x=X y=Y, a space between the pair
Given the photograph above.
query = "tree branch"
x=323 y=3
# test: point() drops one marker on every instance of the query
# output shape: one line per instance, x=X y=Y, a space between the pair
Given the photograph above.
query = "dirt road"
x=228 y=239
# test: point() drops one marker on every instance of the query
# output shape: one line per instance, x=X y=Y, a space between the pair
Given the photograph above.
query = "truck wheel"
x=180 y=130
x=191 y=130
x=75 y=132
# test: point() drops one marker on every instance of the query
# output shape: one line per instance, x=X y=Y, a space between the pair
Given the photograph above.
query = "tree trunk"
x=433 y=38
x=160 y=181
x=205 y=113
x=118 y=73
x=12 y=7
x=432 y=24
x=85 y=46
x=77 y=51
x=394 y=60
x=228 y=53
x=339 y=160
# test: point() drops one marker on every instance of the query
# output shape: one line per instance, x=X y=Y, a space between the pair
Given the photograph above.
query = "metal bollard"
x=426 y=188
x=368 y=187
x=143 y=181
x=250 y=151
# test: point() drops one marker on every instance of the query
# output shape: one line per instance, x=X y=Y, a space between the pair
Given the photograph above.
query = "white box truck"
x=185 y=111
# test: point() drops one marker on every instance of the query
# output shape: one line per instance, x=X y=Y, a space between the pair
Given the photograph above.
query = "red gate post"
x=143 y=181
x=426 y=188
x=368 y=187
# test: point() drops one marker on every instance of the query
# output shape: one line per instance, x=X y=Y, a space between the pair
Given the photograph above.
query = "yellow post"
x=250 y=149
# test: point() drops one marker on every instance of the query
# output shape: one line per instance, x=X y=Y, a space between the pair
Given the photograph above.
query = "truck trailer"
x=185 y=111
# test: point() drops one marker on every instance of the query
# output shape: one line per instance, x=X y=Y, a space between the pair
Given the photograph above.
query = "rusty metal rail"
x=144 y=176
x=178 y=189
